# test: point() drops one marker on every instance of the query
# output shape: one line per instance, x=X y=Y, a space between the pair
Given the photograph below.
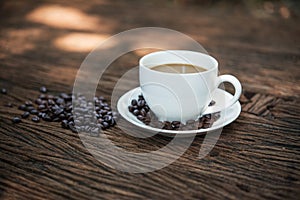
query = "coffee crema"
x=178 y=68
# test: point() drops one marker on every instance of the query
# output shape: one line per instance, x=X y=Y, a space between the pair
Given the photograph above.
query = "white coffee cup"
x=182 y=97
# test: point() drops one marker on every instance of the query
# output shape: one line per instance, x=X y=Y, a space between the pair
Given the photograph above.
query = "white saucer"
x=226 y=116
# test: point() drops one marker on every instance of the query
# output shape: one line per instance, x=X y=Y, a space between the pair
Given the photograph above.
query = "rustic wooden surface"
x=256 y=157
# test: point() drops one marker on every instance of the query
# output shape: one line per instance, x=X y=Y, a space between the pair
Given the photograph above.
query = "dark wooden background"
x=256 y=157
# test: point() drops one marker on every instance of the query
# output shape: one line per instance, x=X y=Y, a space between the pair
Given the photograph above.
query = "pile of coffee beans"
x=59 y=108
x=141 y=110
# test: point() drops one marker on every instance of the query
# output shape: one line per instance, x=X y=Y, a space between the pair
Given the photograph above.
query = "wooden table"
x=256 y=157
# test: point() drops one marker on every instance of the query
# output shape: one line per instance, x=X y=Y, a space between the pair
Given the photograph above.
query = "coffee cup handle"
x=238 y=91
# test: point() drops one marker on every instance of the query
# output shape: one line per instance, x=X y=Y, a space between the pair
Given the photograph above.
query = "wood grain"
x=256 y=157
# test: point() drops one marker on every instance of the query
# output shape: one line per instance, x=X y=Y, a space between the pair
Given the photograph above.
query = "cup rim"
x=215 y=63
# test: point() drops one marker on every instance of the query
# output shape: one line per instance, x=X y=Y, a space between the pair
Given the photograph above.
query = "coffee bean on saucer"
x=134 y=102
x=141 y=103
x=141 y=110
x=16 y=120
x=25 y=115
x=3 y=91
x=141 y=117
x=146 y=108
x=175 y=124
x=206 y=125
x=212 y=103
x=35 y=119
x=43 y=89
x=200 y=122
x=141 y=97
x=167 y=125
x=130 y=108
x=136 y=112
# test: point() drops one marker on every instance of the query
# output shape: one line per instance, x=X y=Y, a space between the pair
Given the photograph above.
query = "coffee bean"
x=16 y=120
x=35 y=119
x=143 y=112
x=10 y=105
x=112 y=122
x=136 y=112
x=146 y=108
x=134 y=102
x=64 y=95
x=34 y=112
x=72 y=127
x=41 y=115
x=58 y=112
x=103 y=112
x=25 y=115
x=175 y=124
x=51 y=102
x=42 y=96
x=141 y=103
x=47 y=118
x=64 y=123
x=212 y=103
x=41 y=107
x=140 y=97
x=29 y=108
x=97 y=108
x=43 y=89
x=167 y=125
x=206 y=125
x=105 y=125
x=216 y=116
x=108 y=118
x=107 y=108
x=38 y=101
x=62 y=116
x=3 y=91
x=28 y=103
x=208 y=116
x=70 y=118
x=141 y=118
x=147 y=121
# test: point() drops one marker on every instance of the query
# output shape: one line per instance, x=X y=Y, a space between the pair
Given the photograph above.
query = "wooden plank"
x=256 y=157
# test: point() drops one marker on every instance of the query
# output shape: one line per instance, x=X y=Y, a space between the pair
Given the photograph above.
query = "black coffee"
x=178 y=68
